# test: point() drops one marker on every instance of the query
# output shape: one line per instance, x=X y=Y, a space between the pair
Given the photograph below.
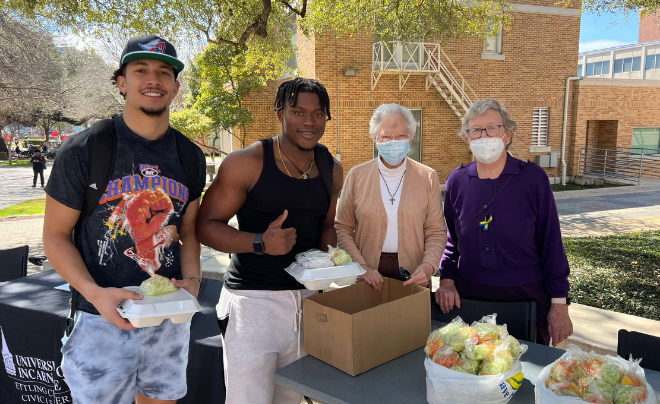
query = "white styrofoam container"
x=178 y=306
x=322 y=278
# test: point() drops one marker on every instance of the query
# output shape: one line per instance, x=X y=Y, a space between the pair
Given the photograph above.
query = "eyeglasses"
x=387 y=138
x=491 y=131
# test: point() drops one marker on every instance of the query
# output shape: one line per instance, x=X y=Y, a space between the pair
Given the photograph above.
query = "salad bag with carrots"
x=588 y=377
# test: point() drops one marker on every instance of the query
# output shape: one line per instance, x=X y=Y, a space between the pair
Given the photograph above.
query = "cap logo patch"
x=155 y=45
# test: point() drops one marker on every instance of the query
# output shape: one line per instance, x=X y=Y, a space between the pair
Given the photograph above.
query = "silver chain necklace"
x=388 y=188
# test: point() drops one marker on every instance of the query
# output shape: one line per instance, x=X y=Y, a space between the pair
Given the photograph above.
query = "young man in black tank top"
x=284 y=192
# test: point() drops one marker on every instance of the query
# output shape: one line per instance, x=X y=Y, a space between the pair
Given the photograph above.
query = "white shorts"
x=262 y=332
x=104 y=364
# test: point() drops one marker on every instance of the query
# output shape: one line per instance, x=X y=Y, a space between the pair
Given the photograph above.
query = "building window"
x=415 y=152
x=598 y=68
x=652 y=62
x=540 y=127
x=628 y=65
x=579 y=71
x=646 y=140
x=292 y=63
x=493 y=44
x=618 y=66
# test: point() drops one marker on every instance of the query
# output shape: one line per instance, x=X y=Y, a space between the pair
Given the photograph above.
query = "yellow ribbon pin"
x=486 y=222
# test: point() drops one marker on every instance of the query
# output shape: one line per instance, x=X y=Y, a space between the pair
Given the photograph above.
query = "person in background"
x=390 y=212
x=504 y=238
x=38 y=165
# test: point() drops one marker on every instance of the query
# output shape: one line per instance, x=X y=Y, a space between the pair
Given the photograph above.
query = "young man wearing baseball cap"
x=144 y=223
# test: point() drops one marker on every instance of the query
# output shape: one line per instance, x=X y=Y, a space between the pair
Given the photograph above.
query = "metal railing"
x=420 y=58
x=623 y=163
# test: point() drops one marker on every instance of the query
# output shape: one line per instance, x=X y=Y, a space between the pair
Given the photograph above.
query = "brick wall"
x=601 y=106
x=649 y=28
x=540 y=52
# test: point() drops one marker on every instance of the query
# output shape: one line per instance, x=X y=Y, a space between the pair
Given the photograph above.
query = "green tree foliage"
x=250 y=40
x=194 y=125
x=259 y=29
x=219 y=83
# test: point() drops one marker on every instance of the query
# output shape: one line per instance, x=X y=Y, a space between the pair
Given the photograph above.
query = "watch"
x=258 y=244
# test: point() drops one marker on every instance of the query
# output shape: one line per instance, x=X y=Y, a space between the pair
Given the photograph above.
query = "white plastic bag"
x=543 y=395
x=312 y=259
x=446 y=386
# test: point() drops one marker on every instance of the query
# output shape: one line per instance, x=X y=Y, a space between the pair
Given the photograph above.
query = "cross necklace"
x=388 y=188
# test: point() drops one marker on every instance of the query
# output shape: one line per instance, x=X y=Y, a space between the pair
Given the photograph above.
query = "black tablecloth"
x=32 y=320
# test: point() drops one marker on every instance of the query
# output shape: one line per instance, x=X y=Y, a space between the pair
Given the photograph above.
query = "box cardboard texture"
x=358 y=328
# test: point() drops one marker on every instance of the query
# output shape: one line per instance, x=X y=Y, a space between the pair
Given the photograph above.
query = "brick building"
x=525 y=67
x=616 y=104
x=649 y=28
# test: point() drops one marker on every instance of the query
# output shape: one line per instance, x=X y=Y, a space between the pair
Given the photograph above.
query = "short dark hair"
x=119 y=72
x=288 y=93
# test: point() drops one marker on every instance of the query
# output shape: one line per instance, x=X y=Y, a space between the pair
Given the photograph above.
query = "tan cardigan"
x=361 y=220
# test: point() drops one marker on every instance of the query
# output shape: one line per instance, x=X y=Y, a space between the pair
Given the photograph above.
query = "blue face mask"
x=394 y=151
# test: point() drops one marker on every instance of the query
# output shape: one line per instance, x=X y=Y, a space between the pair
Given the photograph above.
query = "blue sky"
x=605 y=31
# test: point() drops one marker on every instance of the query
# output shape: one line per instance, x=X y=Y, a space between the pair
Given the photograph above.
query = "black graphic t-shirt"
x=134 y=230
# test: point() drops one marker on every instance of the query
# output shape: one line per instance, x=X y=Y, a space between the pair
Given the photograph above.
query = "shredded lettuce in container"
x=157 y=285
x=339 y=256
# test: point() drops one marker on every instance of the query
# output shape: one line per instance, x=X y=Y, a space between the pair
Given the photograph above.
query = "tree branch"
x=259 y=27
x=300 y=13
x=215 y=149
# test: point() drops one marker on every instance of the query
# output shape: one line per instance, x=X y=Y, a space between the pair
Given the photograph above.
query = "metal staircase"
x=423 y=58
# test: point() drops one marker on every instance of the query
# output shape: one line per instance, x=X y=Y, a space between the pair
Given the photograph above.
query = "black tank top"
x=307 y=202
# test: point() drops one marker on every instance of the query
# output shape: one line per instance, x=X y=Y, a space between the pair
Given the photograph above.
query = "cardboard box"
x=358 y=328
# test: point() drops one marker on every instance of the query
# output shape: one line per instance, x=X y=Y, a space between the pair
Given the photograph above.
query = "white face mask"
x=487 y=150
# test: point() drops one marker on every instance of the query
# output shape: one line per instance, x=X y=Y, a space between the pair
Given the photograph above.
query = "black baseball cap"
x=151 y=47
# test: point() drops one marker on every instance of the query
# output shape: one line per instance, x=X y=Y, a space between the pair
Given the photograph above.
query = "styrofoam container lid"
x=342 y=271
x=170 y=304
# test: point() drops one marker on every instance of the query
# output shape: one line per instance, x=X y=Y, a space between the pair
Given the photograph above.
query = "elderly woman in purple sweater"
x=504 y=238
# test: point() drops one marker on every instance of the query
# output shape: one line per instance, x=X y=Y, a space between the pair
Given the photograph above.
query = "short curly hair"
x=119 y=72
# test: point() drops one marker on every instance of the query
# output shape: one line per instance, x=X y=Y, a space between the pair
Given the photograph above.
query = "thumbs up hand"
x=279 y=241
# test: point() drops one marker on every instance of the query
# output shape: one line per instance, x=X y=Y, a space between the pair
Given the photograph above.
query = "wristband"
x=197 y=279
x=558 y=300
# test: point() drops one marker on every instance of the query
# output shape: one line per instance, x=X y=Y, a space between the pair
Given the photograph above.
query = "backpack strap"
x=325 y=163
x=100 y=160
x=189 y=162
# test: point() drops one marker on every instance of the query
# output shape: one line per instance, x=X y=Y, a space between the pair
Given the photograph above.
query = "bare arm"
x=329 y=234
x=189 y=252
x=59 y=222
x=237 y=175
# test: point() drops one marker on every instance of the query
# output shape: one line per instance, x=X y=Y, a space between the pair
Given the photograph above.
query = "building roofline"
x=632 y=45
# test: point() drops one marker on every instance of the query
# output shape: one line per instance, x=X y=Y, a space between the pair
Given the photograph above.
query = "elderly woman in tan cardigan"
x=390 y=211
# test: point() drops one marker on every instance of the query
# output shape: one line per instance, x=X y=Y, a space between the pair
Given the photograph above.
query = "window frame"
x=651 y=60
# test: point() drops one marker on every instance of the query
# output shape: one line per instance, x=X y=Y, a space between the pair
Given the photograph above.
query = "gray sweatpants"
x=263 y=332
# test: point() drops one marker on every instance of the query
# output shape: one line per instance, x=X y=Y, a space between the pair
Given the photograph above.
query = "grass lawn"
x=31 y=207
x=619 y=273
x=570 y=186
x=19 y=163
